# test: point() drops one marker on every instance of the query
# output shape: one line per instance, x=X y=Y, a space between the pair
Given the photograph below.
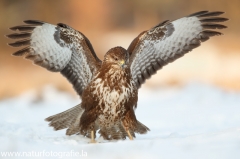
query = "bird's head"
x=117 y=57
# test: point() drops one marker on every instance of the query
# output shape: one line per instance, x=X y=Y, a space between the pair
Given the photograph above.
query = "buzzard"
x=109 y=88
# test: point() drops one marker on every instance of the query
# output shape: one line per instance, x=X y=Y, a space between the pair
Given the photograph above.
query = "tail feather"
x=68 y=119
x=117 y=131
x=75 y=127
x=141 y=129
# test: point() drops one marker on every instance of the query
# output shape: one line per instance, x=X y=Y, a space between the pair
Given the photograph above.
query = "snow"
x=196 y=121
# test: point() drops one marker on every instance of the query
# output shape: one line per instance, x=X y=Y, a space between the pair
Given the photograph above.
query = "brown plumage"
x=109 y=88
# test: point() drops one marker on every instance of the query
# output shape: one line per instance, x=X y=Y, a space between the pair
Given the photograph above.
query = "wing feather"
x=19 y=35
x=170 y=40
x=20 y=43
x=22 y=28
x=58 y=48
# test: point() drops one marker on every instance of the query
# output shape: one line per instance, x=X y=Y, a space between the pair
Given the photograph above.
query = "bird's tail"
x=68 y=119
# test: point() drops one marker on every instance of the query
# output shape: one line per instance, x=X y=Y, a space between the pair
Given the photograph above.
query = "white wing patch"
x=186 y=29
x=45 y=46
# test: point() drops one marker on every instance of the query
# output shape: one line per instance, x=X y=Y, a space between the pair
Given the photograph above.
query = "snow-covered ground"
x=196 y=122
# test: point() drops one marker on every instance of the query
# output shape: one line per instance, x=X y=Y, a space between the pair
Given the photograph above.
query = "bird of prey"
x=109 y=88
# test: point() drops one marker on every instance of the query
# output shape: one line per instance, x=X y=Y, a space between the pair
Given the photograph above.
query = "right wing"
x=58 y=48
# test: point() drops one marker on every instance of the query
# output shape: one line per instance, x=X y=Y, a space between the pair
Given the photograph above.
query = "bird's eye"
x=116 y=59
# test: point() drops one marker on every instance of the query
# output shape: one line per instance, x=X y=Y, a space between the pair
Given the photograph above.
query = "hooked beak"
x=122 y=63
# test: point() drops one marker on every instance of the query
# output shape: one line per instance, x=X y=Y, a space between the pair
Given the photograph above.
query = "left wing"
x=168 y=41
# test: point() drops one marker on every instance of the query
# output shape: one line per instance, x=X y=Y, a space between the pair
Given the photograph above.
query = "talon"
x=92 y=137
x=129 y=135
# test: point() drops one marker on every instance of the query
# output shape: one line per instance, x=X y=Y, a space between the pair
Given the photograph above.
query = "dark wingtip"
x=20 y=43
x=226 y=19
x=13 y=28
x=7 y=36
x=22 y=52
x=33 y=22
x=211 y=33
x=213 y=26
x=213 y=19
x=23 y=28
x=18 y=35
x=219 y=12
x=198 y=13
x=215 y=13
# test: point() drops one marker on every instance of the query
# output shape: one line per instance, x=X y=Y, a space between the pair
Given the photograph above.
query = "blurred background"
x=110 y=23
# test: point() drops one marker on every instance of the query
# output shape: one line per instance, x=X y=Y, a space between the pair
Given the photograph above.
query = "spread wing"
x=58 y=48
x=168 y=41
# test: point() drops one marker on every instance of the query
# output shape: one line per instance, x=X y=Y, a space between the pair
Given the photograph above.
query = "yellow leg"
x=129 y=135
x=92 y=137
